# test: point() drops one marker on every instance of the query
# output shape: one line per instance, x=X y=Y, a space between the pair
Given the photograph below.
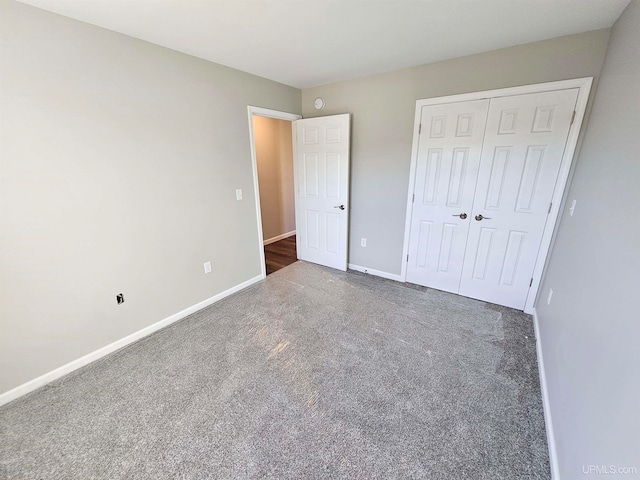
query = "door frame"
x=584 y=87
x=264 y=112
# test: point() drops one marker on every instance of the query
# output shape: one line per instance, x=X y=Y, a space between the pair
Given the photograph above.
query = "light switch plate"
x=238 y=194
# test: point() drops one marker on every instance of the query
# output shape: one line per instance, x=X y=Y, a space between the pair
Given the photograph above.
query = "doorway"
x=321 y=158
x=272 y=149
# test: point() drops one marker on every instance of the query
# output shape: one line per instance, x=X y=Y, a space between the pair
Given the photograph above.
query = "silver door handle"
x=341 y=207
x=480 y=217
x=461 y=215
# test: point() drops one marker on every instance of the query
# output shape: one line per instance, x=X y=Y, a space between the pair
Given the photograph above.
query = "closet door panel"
x=521 y=156
x=449 y=152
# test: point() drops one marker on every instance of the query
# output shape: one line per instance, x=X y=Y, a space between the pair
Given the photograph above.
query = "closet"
x=485 y=175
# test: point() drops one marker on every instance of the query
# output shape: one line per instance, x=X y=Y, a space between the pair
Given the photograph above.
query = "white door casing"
x=449 y=152
x=534 y=169
x=522 y=152
x=321 y=170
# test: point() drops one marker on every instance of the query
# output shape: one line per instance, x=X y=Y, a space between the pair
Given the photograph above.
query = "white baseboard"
x=377 y=273
x=118 y=344
x=279 y=237
x=546 y=407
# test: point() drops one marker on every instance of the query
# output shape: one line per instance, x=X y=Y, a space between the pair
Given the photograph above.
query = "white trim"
x=558 y=192
x=412 y=181
x=263 y=112
x=584 y=87
x=277 y=238
x=266 y=112
x=296 y=207
x=377 y=273
x=546 y=405
x=118 y=344
x=508 y=92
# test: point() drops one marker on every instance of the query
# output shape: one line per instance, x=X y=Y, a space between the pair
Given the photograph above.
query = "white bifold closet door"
x=511 y=168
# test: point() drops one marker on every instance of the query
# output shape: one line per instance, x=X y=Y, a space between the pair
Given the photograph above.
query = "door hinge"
x=573 y=117
x=407 y=257
x=420 y=129
x=550 y=205
x=531 y=282
x=413 y=198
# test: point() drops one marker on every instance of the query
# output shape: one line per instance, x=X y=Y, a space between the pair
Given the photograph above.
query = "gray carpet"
x=312 y=373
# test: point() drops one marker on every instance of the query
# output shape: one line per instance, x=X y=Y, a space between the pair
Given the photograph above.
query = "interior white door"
x=449 y=152
x=522 y=152
x=322 y=189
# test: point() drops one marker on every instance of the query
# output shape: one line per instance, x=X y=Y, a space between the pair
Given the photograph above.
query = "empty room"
x=319 y=239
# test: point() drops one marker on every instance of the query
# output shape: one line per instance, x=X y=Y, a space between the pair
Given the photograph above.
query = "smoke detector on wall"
x=318 y=103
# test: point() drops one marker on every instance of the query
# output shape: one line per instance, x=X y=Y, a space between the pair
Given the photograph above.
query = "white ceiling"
x=305 y=43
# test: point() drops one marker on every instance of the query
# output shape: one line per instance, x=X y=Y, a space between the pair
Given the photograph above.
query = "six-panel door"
x=322 y=189
x=521 y=156
x=448 y=159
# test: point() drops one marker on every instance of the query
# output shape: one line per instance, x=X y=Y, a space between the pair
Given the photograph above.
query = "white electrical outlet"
x=238 y=194
x=207 y=267
x=363 y=242
x=549 y=297
x=572 y=208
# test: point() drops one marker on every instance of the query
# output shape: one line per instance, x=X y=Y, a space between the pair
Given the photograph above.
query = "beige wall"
x=383 y=108
x=590 y=333
x=274 y=154
x=119 y=164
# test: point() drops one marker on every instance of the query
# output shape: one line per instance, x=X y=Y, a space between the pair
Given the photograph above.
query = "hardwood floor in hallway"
x=279 y=254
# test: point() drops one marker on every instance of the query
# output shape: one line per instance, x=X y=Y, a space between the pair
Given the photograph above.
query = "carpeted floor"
x=313 y=373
